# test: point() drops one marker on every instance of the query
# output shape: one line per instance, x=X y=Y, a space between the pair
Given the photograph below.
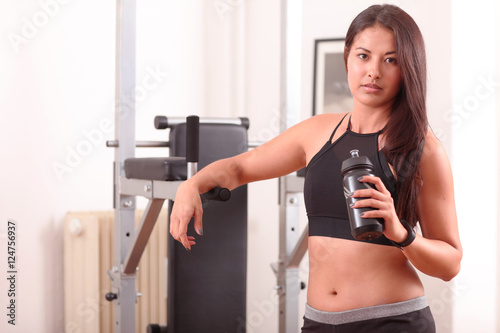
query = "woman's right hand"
x=187 y=205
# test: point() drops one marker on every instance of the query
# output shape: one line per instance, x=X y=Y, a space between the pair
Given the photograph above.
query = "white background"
x=221 y=58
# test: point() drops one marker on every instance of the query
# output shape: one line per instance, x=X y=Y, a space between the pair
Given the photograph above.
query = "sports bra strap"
x=335 y=130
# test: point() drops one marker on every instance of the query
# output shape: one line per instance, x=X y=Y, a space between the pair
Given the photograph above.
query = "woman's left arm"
x=439 y=252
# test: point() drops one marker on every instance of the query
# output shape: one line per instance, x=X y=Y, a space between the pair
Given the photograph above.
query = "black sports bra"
x=323 y=189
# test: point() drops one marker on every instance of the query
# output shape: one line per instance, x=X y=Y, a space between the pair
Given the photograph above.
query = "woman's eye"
x=391 y=60
x=362 y=56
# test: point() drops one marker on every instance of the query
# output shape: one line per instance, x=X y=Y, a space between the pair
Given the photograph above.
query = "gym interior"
x=68 y=118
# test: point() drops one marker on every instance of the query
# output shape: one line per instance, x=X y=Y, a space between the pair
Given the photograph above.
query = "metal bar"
x=192 y=145
x=165 y=190
x=288 y=276
x=255 y=144
x=299 y=250
x=136 y=187
x=152 y=189
x=284 y=295
x=291 y=247
x=165 y=144
x=140 y=144
x=124 y=226
x=294 y=184
x=142 y=236
x=283 y=65
x=172 y=121
x=192 y=169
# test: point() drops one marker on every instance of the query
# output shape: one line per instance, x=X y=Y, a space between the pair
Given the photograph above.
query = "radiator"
x=88 y=255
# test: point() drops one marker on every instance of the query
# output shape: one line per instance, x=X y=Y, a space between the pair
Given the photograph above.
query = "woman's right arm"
x=278 y=157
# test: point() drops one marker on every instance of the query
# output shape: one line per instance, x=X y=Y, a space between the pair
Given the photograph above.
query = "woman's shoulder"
x=330 y=116
x=313 y=132
x=434 y=159
x=325 y=120
x=433 y=147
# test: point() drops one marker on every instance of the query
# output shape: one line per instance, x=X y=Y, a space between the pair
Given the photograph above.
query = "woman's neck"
x=369 y=120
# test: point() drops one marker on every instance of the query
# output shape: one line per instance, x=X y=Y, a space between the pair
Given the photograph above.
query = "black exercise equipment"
x=207 y=285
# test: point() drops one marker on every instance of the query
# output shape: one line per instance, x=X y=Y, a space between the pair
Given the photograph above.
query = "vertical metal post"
x=289 y=285
x=282 y=286
x=124 y=286
x=192 y=144
x=283 y=65
x=288 y=277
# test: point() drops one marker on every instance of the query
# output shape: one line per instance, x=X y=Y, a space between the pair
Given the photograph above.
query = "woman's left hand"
x=380 y=199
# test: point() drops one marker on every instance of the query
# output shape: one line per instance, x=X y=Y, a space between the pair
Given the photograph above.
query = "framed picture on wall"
x=331 y=92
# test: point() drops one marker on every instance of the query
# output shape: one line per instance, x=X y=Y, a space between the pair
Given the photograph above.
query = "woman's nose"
x=374 y=71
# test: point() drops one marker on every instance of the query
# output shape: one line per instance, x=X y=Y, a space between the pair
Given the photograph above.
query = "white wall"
x=56 y=85
x=474 y=117
x=56 y=91
x=497 y=57
x=57 y=96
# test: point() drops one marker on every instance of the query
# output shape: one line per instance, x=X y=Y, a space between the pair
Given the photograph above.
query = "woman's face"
x=373 y=71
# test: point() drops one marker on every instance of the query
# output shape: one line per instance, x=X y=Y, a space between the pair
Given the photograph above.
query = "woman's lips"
x=371 y=88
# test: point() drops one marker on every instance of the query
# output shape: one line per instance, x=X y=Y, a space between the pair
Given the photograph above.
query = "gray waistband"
x=372 y=312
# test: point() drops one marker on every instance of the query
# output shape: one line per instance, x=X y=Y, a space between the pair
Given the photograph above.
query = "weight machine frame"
x=129 y=243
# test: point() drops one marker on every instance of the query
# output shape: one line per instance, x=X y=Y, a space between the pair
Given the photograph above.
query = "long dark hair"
x=407 y=125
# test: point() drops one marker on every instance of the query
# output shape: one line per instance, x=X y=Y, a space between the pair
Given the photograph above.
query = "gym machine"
x=129 y=243
x=202 y=284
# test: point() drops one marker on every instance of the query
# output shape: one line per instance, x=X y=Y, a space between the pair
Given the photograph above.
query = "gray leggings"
x=413 y=316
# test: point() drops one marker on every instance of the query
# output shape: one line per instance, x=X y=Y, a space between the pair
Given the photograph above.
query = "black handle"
x=111 y=296
x=216 y=194
x=155 y=328
x=192 y=138
x=161 y=122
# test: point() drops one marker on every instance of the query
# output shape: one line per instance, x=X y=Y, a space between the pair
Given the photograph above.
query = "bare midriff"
x=346 y=275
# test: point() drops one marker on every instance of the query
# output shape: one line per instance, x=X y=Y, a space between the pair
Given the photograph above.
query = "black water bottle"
x=352 y=169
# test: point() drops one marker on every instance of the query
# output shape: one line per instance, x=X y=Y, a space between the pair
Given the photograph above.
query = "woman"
x=357 y=286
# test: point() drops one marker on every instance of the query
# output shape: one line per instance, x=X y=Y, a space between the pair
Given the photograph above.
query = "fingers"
x=187 y=204
x=186 y=241
x=380 y=192
x=180 y=219
x=371 y=203
x=178 y=230
x=198 y=224
x=372 y=198
x=380 y=199
x=369 y=193
x=379 y=185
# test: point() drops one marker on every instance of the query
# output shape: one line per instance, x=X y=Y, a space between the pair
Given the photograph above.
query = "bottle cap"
x=356 y=161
